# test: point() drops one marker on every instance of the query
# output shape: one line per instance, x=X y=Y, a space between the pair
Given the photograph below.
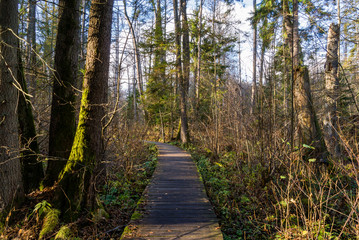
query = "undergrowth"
x=290 y=199
x=128 y=174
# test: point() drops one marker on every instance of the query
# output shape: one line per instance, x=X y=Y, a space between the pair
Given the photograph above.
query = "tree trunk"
x=308 y=128
x=254 y=81
x=178 y=76
x=137 y=53
x=184 y=83
x=287 y=53
x=62 y=122
x=31 y=47
x=83 y=36
x=10 y=169
x=198 y=82
x=77 y=180
x=332 y=91
x=31 y=167
x=296 y=46
x=159 y=64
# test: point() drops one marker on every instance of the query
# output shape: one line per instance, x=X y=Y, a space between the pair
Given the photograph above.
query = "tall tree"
x=10 y=170
x=332 y=91
x=31 y=46
x=199 y=42
x=184 y=80
x=77 y=179
x=135 y=45
x=254 y=78
x=62 y=123
x=31 y=168
x=308 y=128
x=287 y=50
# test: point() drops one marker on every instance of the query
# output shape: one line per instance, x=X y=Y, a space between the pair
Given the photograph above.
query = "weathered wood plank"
x=176 y=206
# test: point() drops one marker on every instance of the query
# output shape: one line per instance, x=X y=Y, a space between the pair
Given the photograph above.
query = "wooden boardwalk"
x=176 y=205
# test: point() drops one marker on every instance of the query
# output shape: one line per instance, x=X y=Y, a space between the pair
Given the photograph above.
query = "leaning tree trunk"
x=77 y=180
x=62 y=122
x=332 y=92
x=308 y=128
x=184 y=80
x=31 y=167
x=10 y=169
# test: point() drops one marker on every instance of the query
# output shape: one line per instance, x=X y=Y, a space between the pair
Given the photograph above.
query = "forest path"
x=176 y=205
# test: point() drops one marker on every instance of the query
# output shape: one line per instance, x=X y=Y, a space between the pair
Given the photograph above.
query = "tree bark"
x=287 y=53
x=77 y=180
x=332 y=92
x=184 y=83
x=254 y=81
x=62 y=122
x=296 y=46
x=10 y=169
x=308 y=128
x=159 y=64
x=31 y=167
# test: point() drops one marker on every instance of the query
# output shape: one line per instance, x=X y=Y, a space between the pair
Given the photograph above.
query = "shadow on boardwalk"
x=176 y=205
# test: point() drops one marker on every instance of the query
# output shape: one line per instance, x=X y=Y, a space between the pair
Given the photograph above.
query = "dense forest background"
x=274 y=136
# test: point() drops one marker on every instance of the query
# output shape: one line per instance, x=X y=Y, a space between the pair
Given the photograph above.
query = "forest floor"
x=127 y=178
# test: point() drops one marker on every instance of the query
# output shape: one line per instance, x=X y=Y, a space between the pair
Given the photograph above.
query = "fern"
x=50 y=222
x=64 y=233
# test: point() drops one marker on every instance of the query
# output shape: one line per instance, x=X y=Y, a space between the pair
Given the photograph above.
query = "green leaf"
x=219 y=164
x=307 y=146
x=282 y=177
x=312 y=160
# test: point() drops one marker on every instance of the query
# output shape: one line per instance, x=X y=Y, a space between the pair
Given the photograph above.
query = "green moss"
x=80 y=151
x=136 y=216
x=50 y=222
x=126 y=232
x=75 y=177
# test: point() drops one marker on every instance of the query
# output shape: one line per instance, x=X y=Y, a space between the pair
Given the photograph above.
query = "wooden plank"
x=176 y=205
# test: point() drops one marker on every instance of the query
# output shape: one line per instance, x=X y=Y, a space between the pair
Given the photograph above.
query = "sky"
x=243 y=11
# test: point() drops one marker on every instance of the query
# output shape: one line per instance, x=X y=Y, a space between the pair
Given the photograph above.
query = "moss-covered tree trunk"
x=184 y=80
x=10 y=169
x=31 y=166
x=76 y=184
x=62 y=123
